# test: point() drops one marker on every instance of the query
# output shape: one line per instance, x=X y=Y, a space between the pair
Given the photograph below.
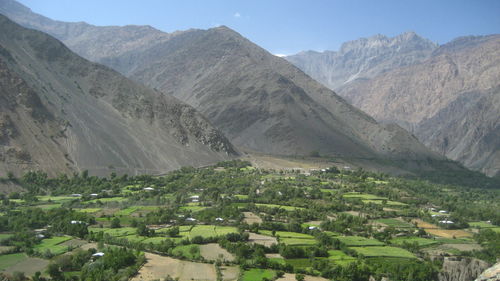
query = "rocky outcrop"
x=363 y=58
x=461 y=269
x=490 y=274
x=61 y=113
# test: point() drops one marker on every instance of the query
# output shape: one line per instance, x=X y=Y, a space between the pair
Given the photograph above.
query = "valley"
x=193 y=224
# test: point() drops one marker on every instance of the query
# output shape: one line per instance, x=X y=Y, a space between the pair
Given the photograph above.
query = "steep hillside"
x=450 y=101
x=61 y=113
x=259 y=101
x=364 y=58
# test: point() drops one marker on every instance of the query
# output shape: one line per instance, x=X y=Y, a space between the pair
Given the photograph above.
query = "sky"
x=291 y=26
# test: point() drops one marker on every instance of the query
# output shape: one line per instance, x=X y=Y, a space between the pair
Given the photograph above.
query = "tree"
x=299 y=277
x=115 y=223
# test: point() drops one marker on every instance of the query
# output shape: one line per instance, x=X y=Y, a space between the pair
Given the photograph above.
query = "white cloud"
x=237 y=15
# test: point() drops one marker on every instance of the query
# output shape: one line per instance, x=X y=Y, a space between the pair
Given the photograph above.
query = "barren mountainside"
x=364 y=58
x=61 y=113
x=450 y=101
x=261 y=102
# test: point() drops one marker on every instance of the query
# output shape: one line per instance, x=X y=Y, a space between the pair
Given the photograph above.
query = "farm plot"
x=54 y=245
x=340 y=257
x=292 y=238
x=446 y=233
x=7 y=261
x=258 y=274
x=422 y=242
x=291 y=277
x=264 y=240
x=251 y=218
x=275 y=206
x=359 y=241
x=191 y=252
x=206 y=231
x=29 y=266
x=396 y=223
x=383 y=251
x=157 y=267
x=364 y=196
x=213 y=252
x=115 y=232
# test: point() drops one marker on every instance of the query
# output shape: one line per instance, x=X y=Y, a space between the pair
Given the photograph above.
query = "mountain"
x=62 y=113
x=364 y=58
x=261 y=102
x=450 y=101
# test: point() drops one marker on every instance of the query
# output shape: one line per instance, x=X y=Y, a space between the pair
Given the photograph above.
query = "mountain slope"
x=60 y=113
x=450 y=101
x=259 y=101
x=364 y=58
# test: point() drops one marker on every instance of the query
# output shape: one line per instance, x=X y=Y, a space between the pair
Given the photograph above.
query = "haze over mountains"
x=62 y=113
x=448 y=95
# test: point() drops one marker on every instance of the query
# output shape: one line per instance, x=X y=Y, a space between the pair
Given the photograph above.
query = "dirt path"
x=158 y=267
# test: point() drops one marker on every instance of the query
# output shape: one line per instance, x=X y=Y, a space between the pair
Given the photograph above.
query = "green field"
x=127 y=211
x=363 y=196
x=359 y=241
x=191 y=252
x=258 y=274
x=340 y=257
x=287 y=234
x=298 y=241
x=275 y=206
x=89 y=210
x=422 y=242
x=4 y=236
x=484 y=225
x=193 y=208
x=9 y=260
x=52 y=244
x=380 y=202
x=107 y=200
x=211 y=231
x=299 y=263
x=395 y=223
x=115 y=232
x=58 y=199
x=383 y=251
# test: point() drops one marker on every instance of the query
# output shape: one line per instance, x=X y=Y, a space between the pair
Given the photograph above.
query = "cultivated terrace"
x=232 y=221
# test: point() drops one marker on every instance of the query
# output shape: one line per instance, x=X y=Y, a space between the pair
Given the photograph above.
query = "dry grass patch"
x=291 y=277
x=447 y=233
x=251 y=218
x=29 y=266
x=158 y=267
x=262 y=239
x=213 y=252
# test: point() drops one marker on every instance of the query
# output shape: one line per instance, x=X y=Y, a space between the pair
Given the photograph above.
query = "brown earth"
x=213 y=252
x=262 y=239
x=29 y=266
x=251 y=218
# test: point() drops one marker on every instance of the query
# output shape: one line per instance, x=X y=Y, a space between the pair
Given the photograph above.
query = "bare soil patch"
x=447 y=233
x=463 y=247
x=262 y=239
x=158 y=267
x=74 y=243
x=276 y=256
x=29 y=266
x=230 y=273
x=213 y=251
x=251 y=218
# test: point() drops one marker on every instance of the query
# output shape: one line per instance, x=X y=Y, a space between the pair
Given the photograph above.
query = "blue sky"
x=287 y=27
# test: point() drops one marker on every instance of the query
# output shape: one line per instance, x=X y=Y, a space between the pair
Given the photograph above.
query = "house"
x=148 y=189
x=443 y=212
x=446 y=222
x=312 y=227
x=195 y=197
x=94 y=194
x=219 y=219
x=76 y=222
x=76 y=195
x=191 y=219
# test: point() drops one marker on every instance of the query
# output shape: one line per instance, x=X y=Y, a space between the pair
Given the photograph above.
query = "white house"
x=191 y=219
x=219 y=219
x=148 y=189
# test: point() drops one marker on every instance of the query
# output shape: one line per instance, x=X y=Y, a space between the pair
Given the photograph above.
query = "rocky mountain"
x=364 y=58
x=62 y=113
x=451 y=101
x=261 y=102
